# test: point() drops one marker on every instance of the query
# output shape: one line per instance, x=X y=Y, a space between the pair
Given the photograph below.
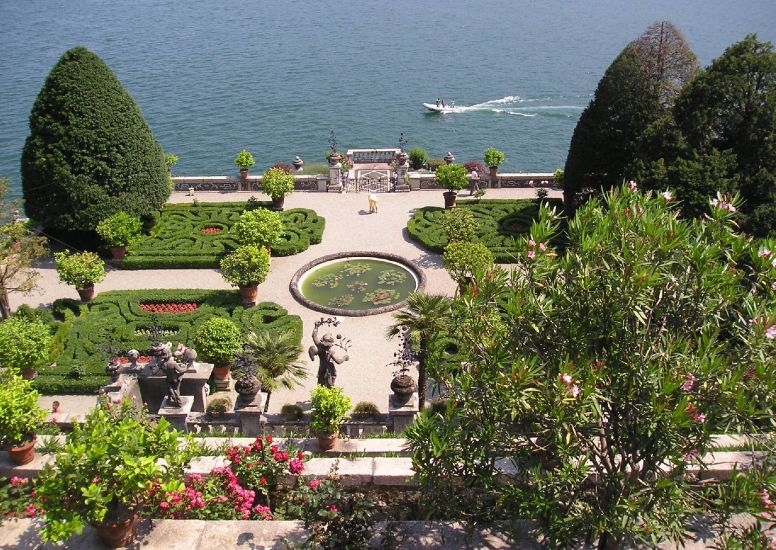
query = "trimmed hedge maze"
x=499 y=223
x=197 y=236
x=117 y=318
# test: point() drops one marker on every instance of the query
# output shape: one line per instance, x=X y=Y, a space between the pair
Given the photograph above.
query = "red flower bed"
x=125 y=361
x=168 y=307
x=210 y=230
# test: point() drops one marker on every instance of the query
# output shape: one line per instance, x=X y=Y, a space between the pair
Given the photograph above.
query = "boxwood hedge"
x=117 y=318
x=499 y=223
x=178 y=241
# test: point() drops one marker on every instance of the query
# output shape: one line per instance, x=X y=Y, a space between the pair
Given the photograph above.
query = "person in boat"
x=437 y=104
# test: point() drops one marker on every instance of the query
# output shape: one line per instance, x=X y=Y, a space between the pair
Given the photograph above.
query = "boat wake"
x=517 y=106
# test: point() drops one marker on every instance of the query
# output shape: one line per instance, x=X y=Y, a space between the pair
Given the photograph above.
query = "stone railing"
x=425 y=180
x=236 y=183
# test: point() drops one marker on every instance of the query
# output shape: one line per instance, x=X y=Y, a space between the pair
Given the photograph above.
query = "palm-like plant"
x=427 y=317
x=273 y=359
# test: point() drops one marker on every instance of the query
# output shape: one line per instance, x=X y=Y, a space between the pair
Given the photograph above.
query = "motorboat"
x=438 y=108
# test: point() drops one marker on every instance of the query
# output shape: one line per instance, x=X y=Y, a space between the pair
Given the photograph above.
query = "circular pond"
x=356 y=283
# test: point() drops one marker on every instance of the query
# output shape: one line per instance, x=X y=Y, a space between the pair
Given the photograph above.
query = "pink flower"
x=542 y=247
x=31 y=511
x=667 y=195
x=722 y=205
x=566 y=378
x=632 y=185
x=332 y=507
x=296 y=466
x=531 y=243
x=688 y=383
x=574 y=391
x=688 y=457
x=314 y=484
x=164 y=506
x=699 y=417
x=531 y=254
x=765 y=499
x=763 y=252
x=770 y=333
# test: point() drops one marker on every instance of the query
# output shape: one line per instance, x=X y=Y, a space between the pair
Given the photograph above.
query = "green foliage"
x=244 y=160
x=90 y=154
x=604 y=371
x=277 y=183
x=170 y=160
x=218 y=340
x=452 y=177
x=459 y=224
x=259 y=227
x=81 y=269
x=219 y=405
x=366 y=410
x=292 y=411
x=120 y=229
x=493 y=157
x=274 y=357
x=107 y=469
x=418 y=158
x=20 y=415
x=433 y=164
x=116 y=317
x=24 y=344
x=178 y=241
x=498 y=224
x=463 y=260
x=330 y=408
x=248 y=265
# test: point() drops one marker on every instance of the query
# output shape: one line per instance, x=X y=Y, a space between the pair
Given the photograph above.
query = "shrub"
x=81 y=269
x=366 y=410
x=329 y=409
x=433 y=164
x=459 y=224
x=494 y=157
x=418 y=158
x=452 y=177
x=463 y=260
x=170 y=160
x=474 y=165
x=247 y=266
x=244 y=160
x=292 y=411
x=284 y=166
x=120 y=229
x=20 y=415
x=219 y=405
x=24 y=344
x=277 y=183
x=218 y=340
x=90 y=154
x=259 y=227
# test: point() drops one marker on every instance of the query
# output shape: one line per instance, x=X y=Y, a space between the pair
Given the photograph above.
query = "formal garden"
x=612 y=386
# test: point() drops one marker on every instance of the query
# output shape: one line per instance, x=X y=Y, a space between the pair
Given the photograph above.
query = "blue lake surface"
x=276 y=77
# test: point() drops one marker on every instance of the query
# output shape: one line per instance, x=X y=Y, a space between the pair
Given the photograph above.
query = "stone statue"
x=329 y=351
x=187 y=355
x=162 y=353
x=133 y=355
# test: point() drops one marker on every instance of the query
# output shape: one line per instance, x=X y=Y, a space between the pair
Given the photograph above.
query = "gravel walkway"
x=349 y=226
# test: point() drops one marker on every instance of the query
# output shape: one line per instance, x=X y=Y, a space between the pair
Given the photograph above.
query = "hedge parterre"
x=197 y=236
x=499 y=223
x=122 y=319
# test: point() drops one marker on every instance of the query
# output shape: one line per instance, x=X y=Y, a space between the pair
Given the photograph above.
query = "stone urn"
x=401 y=158
x=244 y=173
x=248 y=386
x=403 y=386
x=335 y=159
x=450 y=198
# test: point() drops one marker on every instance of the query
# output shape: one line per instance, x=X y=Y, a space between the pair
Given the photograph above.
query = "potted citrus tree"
x=463 y=260
x=277 y=183
x=118 y=231
x=244 y=160
x=493 y=158
x=81 y=270
x=260 y=227
x=246 y=268
x=20 y=417
x=329 y=409
x=24 y=345
x=452 y=177
x=218 y=340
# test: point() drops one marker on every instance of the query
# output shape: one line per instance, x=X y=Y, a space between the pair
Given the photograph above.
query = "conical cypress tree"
x=90 y=153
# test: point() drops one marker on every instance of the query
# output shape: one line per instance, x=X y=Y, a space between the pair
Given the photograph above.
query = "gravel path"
x=349 y=226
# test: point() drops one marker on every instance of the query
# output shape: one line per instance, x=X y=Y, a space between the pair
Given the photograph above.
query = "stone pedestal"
x=402 y=184
x=153 y=387
x=335 y=184
x=251 y=415
x=176 y=416
x=320 y=181
x=401 y=416
x=223 y=385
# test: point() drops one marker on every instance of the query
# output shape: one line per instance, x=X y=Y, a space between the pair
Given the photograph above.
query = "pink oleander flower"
x=639 y=209
x=689 y=382
x=770 y=332
x=19 y=481
x=722 y=205
x=531 y=254
x=531 y=243
x=296 y=466
x=542 y=247
x=699 y=417
x=313 y=484
x=667 y=195
x=164 y=506
x=565 y=378
x=764 y=252
x=574 y=390
x=690 y=456
x=632 y=185
x=31 y=511
x=765 y=499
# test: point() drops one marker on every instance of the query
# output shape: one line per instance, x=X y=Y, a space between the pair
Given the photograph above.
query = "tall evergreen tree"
x=90 y=153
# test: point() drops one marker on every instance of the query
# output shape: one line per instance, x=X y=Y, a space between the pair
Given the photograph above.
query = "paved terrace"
x=349 y=226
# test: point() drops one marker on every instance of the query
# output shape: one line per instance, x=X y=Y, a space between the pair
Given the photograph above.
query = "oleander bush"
x=178 y=240
x=499 y=223
x=117 y=318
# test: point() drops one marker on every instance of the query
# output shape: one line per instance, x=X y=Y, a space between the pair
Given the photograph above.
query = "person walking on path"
x=474 y=181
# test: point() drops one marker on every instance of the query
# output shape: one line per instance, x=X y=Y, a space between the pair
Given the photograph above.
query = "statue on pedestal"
x=329 y=351
x=162 y=353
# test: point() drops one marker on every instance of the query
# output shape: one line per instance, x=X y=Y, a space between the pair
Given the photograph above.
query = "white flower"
x=667 y=195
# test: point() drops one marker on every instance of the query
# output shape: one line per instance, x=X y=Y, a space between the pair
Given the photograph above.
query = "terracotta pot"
x=327 y=441
x=244 y=173
x=28 y=374
x=221 y=373
x=118 y=534
x=277 y=204
x=449 y=199
x=493 y=171
x=86 y=294
x=248 y=294
x=118 y=252
x=24 y=453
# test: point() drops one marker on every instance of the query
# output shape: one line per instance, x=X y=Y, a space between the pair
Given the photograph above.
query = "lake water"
x=276 y=77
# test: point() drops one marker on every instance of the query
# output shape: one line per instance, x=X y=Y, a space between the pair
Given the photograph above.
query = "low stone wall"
x=425 y=180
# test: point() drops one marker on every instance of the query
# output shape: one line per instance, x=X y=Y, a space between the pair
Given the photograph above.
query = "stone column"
x=334 y=173
x=401 y=172
x=251 y=415
x=401 y=416
x=177 y=416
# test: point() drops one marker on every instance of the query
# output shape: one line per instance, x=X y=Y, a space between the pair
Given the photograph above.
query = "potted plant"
x=244 y=160
x=260 y=227
x=292 y=412
x=218 y=407
x=24 y=345
x=463 y=260
x=81 y=270
x=20 y=417
x=218 y=340
x=118 y=231
x=493 y=158
x=329 y=409
x=275 y=356
x=106 y=471
x=452 y=177
x=277 y=183
x=246 y=268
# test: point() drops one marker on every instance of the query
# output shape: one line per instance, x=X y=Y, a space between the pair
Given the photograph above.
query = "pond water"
x=358 y=284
